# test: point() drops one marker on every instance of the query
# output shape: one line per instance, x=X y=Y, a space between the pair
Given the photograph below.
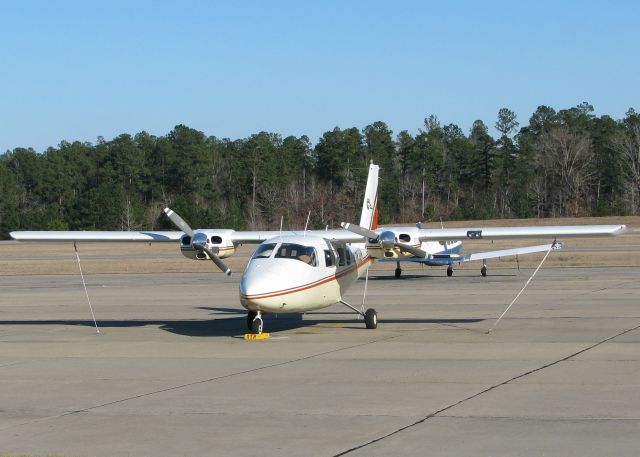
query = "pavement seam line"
x=482 y=392
x=203 y=381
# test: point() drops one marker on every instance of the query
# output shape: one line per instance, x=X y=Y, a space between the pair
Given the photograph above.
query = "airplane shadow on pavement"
x=233 y=326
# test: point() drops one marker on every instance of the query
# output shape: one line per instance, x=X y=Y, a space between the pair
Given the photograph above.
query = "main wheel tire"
x=251 y=315
x=256 y=326
x=398 y=272
x=449 y=271
x=371 y=318
x=483 y=271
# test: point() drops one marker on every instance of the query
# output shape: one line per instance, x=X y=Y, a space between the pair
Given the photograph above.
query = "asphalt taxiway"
x=169 y=375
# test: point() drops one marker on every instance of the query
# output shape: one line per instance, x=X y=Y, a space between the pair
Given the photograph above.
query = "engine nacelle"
x=385 y=247
x=219 y=241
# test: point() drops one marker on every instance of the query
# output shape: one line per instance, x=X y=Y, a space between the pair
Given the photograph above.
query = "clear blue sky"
x=76 y=70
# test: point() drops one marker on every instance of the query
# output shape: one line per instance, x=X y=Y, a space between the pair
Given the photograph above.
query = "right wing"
x=233 y=236
x=87 y=235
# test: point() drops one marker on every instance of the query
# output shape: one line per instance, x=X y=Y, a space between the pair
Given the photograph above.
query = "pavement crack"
x=482 y=392
x=204 y=381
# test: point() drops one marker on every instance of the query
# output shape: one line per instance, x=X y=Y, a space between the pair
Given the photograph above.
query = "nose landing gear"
x=254 y=322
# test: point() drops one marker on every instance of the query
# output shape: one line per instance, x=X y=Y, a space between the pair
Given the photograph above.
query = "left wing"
x=511 y=252
x=496 y=233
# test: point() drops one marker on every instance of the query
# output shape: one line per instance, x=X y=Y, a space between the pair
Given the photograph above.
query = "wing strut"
x=523 y=288
x=84 y=284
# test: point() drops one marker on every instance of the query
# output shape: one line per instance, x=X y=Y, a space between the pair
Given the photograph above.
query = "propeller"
x=386 y=239
x=199 y=241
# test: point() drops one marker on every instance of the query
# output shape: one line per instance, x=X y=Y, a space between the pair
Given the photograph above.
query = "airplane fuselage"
x=300 y=274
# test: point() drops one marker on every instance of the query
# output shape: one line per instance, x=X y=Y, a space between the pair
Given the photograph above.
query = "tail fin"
x=369 y=217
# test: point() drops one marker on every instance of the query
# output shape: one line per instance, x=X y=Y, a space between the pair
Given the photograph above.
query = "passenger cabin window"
x=329 y=259
x=341 y=256
x=264 y=251
x=306 y=254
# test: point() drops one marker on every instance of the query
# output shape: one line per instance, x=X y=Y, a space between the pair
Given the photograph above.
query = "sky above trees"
x=74 y=70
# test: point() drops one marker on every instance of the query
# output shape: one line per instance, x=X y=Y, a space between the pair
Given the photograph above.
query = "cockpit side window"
x=341 y=256
x=264 y=251
x=306 y=254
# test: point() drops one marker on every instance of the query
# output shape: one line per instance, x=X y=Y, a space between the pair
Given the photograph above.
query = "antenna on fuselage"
x=307 y=224
x=281 y=221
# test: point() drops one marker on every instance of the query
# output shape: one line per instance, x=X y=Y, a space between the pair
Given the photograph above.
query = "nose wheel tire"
x=257 y=325
x=371 y=318
x=449 y=271
x=251 y=315
x=483 y=271
x=398 y=272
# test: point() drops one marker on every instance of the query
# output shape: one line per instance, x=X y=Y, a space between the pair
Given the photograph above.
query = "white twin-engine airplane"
x=296 y=272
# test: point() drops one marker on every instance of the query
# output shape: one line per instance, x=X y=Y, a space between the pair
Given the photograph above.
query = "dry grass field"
x=59 y=258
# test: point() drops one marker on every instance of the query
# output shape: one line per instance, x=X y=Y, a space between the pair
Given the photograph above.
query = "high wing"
x=510 y=252
x=253 y=237
x=236 y=237
x=87 y=235
x=496 y=233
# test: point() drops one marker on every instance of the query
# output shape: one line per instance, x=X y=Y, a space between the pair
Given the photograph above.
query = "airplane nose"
x=259 y=278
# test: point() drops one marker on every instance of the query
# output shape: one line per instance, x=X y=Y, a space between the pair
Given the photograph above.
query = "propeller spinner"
x=199 y=241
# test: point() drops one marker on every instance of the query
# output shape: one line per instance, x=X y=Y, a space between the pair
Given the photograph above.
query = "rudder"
x=369 y=215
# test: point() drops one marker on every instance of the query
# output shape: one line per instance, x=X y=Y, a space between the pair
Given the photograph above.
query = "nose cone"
x=273 y=285
x=260 y=278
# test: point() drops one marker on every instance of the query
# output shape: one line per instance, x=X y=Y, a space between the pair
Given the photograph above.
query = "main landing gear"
x=370 y=315
x=398 y=270
x=483 y=270
x=254 y=322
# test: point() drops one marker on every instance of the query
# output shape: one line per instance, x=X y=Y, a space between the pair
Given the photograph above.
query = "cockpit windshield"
x=306 y=254
x=264 y=251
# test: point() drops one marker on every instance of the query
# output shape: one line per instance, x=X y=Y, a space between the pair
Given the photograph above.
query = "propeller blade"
x=178 y=221
x=219 y=263
x=412 y=250
x=353 y=228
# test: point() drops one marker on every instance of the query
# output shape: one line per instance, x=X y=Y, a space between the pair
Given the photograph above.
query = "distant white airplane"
x=300 y=271
x=449 y=252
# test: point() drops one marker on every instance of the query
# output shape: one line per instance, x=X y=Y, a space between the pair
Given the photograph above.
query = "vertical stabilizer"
x=368 y=219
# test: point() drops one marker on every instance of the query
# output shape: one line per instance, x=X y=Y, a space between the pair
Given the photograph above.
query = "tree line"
x=562 y=163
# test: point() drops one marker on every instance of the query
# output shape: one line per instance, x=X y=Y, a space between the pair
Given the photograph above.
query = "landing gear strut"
x=449 y=270
x=398 y=270
x=370 y=315
x=255 y=324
